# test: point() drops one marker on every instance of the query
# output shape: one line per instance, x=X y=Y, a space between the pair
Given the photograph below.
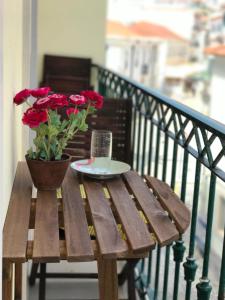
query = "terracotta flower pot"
x=48 y=175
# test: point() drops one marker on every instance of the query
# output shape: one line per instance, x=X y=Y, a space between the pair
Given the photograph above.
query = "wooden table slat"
x=108 y=236
x=170 y=202
x=15 y=233
x=158 y=219
x=78 y=240
x=46 y=232
x=136 y=230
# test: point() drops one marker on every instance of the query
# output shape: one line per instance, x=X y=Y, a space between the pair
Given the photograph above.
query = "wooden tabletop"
x=123 y=217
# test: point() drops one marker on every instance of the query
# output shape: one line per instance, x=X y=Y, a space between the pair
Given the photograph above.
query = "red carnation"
x=72 y=110
x=58 y=100
x=77 y=99
x=33 y=117
x=21 y=96
x=43 y=103
x=41 y=92
x=95 y=98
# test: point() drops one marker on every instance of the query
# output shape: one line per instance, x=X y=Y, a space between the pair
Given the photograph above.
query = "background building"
x=140 y=51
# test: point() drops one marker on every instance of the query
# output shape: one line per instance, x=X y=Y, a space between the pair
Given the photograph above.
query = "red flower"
x=77 y=99
x=58 y=100
x=33 y=117
x=43 y=103
x=95 y=98
x=21 y=96
x=72 y=110
x=41 y=92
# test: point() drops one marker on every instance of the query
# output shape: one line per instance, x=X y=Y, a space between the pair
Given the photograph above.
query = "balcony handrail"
x=201 y=119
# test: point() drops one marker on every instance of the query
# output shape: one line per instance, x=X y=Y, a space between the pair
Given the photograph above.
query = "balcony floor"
x=72 y=289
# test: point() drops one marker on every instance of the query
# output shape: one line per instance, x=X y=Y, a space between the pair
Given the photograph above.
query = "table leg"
x=42 y=282
x=18 y=281
x=107 y=278
x=7 y=280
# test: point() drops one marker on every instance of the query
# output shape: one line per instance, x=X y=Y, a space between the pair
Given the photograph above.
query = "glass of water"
x=101 y=144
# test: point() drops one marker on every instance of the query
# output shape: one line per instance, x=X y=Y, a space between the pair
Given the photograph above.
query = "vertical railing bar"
x=195 y=208
x=149 y=268
x=209 y=225
x=167 y=255
x=166 y=272
x=150 y=148
x=165 y=157
x=139 y=139
x=157 y=272
x=178 y=247
x=221 y=293
x=134 y=133
x=184 y=175
x=174 y=166
x=178 y=251
x=144 y=147
x=157 y=149
x=142 y=265
x=190 y=266
x=203 y=287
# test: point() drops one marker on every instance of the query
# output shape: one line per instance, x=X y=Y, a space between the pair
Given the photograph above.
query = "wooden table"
x=147 y=210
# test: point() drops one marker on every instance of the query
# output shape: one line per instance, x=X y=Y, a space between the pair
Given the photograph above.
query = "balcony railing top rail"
x=201 y=119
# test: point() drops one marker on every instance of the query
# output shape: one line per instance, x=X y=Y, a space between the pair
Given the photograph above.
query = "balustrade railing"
x=187 y=150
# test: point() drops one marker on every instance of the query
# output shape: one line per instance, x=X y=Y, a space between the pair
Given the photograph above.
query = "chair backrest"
x=66 y=74
x=66 y=85
x=114 y=116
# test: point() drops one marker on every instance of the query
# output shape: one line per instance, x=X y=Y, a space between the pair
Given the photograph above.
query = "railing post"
x=190 y=266
x=203 y=287
x=178 y=252
x=221 y=294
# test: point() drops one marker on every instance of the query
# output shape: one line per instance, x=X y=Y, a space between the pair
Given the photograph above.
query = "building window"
x=144 y=69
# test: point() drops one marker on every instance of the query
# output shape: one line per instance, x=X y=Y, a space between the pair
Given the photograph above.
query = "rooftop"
x=216 y=50
x=141 y=29
x=118 y=29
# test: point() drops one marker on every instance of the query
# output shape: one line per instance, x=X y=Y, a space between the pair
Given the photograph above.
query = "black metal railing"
x=186 y=149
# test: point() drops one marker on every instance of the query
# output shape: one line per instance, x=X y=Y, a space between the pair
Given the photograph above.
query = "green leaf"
x=43 y=155
x=64 y=125
x=83 y=127
x=52 y=131
x=58 y=156
x=92 y=109
x=54 y=118
x=42 y=130
x=31 y=154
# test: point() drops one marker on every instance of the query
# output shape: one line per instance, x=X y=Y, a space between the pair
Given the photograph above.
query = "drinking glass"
x=101 y=144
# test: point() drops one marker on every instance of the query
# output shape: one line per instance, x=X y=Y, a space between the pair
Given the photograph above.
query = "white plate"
x=100 y=168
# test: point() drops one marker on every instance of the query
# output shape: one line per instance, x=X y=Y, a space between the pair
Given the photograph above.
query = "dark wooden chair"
x=115 y=116
x=66 y=74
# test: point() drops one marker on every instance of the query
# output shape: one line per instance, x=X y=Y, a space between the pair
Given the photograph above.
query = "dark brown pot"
x=48 y=175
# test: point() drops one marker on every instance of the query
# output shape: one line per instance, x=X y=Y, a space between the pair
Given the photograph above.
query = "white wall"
x=73 y=28
x=217 y=102
x=13 y=81
x=14 y=43
x=1 y=132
